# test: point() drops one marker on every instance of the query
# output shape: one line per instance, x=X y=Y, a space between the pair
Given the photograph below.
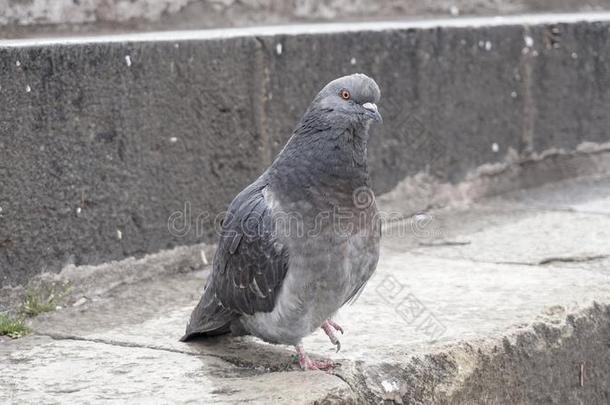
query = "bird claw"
x=307 y=363
x=328 y=327
x=335 y=325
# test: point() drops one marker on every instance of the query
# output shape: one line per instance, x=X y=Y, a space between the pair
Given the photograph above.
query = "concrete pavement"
x=504 y=300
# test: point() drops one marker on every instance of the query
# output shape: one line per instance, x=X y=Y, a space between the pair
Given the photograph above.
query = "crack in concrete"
x=543 y=262
x=548 y=260
x=571 y=211
x=231 y=360
x=526 y=144
x=60 y=336
x=445 y=243
x=540 y=263
x=351 y=386
x=261 y=97
x=243 y=365
x=357 y=384
x=574 y=259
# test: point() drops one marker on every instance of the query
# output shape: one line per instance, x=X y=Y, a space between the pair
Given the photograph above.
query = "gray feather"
x=279 y=279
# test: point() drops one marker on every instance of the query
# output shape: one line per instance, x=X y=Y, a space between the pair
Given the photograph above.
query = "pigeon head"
x=349 y=101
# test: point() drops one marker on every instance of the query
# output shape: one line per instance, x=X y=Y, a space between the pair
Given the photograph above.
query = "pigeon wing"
x=248 y=270
x=250 y=264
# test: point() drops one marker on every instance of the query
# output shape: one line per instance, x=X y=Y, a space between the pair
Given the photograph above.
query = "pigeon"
x=303 y=239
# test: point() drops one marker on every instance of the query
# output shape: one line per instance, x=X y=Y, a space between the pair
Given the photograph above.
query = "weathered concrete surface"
x=430 y=123
x=431 y=326
x=553 y=232
x=91 y=281
x=47 y=371
x=59 y=16
x=567 y=67
x=98 y=151
x=121 y=146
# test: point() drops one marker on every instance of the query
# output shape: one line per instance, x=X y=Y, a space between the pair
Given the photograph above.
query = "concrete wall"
x=39 y=17
x=101 y=141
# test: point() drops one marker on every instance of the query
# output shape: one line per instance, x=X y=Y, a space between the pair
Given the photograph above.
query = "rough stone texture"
x=99 y=151
x=59 y=16
x=442 y=93
x=122 y=146
x=77 y=284
x=427 y=329
x=549 y=229
x=572 y=63
x=589 y=195
x=50 y=371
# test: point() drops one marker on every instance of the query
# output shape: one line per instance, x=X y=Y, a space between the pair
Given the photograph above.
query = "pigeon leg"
x=335 y=325
x=329 y=328
x=307 y=363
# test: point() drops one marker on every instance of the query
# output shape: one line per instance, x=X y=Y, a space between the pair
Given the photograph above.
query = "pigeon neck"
x=331 y=158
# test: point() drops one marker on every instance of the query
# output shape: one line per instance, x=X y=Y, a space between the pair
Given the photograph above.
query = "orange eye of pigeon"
x=345 y=95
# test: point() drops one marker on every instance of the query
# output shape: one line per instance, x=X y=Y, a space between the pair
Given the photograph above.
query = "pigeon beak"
x=372 y=111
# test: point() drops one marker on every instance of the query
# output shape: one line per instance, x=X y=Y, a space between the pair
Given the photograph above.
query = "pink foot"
x=335 y=325
x=307 y=363
x=329 y=328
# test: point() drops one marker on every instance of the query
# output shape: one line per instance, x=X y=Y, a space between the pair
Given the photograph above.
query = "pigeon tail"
x=192 y=334
x=209 y=318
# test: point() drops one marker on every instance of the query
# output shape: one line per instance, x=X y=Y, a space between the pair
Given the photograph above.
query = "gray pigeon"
x=303 y=239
